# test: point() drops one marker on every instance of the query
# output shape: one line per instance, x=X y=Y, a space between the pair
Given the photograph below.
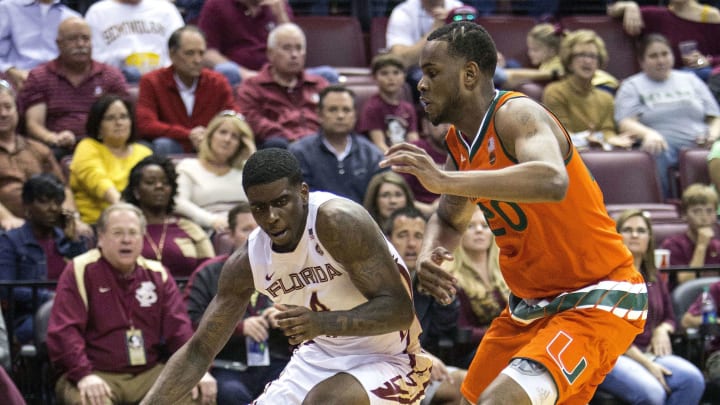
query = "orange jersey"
x=552 y=247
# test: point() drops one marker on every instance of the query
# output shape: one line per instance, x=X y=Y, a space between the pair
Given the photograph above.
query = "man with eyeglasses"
x=58 y=94
x=118 y=311
x=175 y=103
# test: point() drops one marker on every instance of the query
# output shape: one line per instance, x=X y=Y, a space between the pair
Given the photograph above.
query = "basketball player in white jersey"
x=341 y=288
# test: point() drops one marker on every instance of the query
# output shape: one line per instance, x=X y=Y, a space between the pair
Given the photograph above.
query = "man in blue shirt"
x=337 y=159
x=27 y=35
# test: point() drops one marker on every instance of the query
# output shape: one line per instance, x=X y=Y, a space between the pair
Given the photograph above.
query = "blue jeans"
x=166 y=146
x=242 y=387
x=634 y=384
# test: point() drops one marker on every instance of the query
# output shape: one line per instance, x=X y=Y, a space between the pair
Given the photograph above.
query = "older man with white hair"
x=280 y=103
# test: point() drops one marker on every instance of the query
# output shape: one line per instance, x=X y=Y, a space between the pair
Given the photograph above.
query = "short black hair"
x=98 y=110
x=43 y=186
x=271 y=164
x=174 y=40
x=408 y=211
x=470 y=41
x=335 y=88
x=243 y=207
x=136 y=177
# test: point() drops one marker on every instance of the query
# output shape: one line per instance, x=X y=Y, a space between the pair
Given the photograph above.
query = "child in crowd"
x=386 y=118
x=543 y=44
x=700 y=245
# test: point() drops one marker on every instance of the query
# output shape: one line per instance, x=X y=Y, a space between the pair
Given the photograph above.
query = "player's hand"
x=433 y=279
x=207 y=388
x=270 y=313
x=408 y=158
x=256 y=327
x=439 y=370
x=297 y=323
x=94 y=390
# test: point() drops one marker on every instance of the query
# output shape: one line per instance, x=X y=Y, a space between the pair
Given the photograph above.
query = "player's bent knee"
x=342 y=388
x=523 y=381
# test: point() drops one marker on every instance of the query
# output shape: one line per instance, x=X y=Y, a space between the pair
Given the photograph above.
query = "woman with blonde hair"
x=209 y=185
x=482 y=290
x=585 y=110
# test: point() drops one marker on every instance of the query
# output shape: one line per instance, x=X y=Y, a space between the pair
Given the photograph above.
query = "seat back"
x=686 y=293
x=40 y=325
x=222 y=243
x=333 y=40
x=378 y=27
x=620 y=46
x=510 y=35
x=625 y=177
x=664 y=229
x=693 y=167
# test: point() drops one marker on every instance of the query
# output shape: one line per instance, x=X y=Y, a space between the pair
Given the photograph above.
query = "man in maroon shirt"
x=117 y=310
x=58 y=94
x=280 y=103
x=237 y=32
x=177 y=102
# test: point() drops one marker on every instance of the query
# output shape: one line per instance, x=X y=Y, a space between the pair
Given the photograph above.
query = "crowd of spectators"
x=90 y=181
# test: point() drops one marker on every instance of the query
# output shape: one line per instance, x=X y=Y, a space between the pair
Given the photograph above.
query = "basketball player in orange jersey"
x=576 y=301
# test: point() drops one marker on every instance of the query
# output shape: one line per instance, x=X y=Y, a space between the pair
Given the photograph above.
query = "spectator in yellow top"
x=101 y=163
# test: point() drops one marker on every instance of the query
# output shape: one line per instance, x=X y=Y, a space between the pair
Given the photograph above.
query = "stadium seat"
x=222 y=243
x=691 y=344
x=663 y=229
x=692 y=167
x=378 y=26
x=333 y=40
x=686 y=293
x=625 y=177
x=656 y=211
x=620 y=46
x=509 y=33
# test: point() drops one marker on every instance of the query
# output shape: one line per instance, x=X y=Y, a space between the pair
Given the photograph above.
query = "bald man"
x=58 y=94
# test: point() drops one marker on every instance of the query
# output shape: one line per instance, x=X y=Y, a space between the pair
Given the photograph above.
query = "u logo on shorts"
x=560 y=351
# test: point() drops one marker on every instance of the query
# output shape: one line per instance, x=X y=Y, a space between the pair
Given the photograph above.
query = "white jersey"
x=310 y=277
x=133 y=34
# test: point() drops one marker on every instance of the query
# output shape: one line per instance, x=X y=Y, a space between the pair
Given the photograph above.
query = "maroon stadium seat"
x=333 y=40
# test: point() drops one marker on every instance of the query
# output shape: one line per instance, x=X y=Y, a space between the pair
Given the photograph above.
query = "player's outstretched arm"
x=351 y=236
x=528 y=133
x=192 y=360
